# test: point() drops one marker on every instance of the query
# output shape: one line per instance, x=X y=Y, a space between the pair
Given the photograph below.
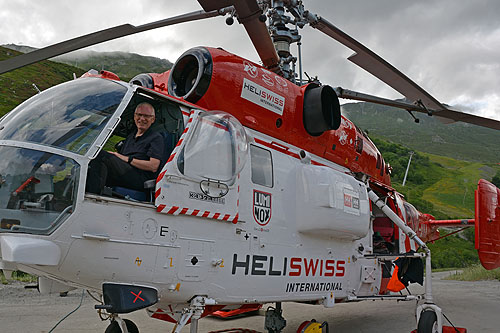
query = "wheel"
x=114 y=327
x=428 y=322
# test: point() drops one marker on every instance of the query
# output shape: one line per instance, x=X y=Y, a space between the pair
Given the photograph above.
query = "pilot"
x=138 y=159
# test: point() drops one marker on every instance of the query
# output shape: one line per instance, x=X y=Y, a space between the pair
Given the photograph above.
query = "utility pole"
x=408 y=167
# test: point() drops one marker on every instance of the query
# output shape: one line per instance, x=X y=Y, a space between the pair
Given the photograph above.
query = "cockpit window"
x=37 y=190
x=69 y=116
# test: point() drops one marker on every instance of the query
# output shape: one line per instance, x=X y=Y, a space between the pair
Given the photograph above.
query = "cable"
x=66 y=316
x=456 y=330
x=95 y=298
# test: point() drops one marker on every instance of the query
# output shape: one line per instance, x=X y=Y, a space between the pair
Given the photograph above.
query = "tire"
x=114 y=327
x=427 y=322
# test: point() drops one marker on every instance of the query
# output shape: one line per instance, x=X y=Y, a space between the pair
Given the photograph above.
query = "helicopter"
x=263 y=183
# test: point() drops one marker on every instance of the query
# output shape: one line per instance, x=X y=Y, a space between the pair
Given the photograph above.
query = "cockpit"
x=47 y=142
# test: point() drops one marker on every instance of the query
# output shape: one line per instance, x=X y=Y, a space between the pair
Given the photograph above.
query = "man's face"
x=144 y=117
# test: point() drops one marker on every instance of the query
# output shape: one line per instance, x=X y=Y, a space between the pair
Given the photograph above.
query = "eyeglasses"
x=145 y=116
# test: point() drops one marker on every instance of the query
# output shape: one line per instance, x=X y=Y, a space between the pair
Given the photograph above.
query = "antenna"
x=408 y=167
x=36 y=88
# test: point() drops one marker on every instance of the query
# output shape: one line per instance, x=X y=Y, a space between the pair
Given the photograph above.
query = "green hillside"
x=438 y=185
x=17 y=86
x=443 y=187
x=125 y=65
x=458 y=140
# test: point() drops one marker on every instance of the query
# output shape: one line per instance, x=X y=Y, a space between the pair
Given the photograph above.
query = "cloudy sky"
x=450 y=47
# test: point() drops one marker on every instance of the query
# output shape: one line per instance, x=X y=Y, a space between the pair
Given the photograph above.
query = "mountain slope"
x=125 y=65
x=17 y=86
x=459 y=140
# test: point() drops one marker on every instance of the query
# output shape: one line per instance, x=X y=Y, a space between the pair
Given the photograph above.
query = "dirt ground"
x=474 y=305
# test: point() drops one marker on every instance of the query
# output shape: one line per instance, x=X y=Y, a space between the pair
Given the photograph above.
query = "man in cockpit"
x=138 y=160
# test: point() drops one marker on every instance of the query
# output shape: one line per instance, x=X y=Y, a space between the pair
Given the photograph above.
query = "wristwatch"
x=130 y=158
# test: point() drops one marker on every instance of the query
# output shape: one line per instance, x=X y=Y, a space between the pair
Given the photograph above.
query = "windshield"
x=37 y=190
x=69 y=116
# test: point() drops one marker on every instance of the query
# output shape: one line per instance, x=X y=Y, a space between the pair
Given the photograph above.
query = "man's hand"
x=147 y=165
x=120 y=156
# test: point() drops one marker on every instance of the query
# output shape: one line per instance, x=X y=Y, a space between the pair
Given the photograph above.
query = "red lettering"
x=313 y=265
x=295 y=265
x=347 y=200
x=329 y=267
x=340 y=268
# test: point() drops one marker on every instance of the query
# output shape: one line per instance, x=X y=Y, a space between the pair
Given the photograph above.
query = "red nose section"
x=487 y=224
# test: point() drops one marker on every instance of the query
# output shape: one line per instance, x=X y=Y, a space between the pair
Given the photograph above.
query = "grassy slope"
x=459 y=140
x=475 y=273
x=17 y=86
x=125 y=65
x=443 y=187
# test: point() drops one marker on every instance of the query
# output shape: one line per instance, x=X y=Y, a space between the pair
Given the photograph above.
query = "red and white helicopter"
x=264 y=183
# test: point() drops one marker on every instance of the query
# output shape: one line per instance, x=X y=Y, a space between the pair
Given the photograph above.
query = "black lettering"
x=256 y=266
x=271 y=272
x=163 y=230
x=244 y=264
x=261 y=216
x=284 y=266
x=256 y=212
x=302 y=287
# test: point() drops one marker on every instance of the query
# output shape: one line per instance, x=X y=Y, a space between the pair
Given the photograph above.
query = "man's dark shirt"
x=148 y=145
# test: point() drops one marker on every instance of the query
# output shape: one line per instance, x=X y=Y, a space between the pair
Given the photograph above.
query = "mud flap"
x=487 y=224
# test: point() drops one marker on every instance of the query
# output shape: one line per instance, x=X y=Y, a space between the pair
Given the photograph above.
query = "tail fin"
x=487 y=224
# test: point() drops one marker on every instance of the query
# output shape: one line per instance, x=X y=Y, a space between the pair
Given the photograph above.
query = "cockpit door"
x=201 y=177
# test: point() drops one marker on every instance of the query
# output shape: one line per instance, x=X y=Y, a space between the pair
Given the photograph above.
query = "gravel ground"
x=474 y=305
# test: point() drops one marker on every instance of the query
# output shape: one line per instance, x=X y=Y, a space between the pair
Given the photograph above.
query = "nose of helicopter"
x=29 y=251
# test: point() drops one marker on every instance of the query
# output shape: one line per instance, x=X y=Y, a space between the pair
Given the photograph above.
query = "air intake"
x=191 y=75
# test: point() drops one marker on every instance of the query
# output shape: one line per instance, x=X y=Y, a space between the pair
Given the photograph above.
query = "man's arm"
x=147 y=165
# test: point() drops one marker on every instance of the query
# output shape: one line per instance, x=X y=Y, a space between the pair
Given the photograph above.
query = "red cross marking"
x=137 y=296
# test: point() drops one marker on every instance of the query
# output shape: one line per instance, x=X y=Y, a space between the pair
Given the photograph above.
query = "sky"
x=449 y=47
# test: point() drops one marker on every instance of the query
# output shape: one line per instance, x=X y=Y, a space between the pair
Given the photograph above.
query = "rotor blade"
x=468 y=118
x=248 y=14
x=448 y=113
x=374 y=64
x=96 y=38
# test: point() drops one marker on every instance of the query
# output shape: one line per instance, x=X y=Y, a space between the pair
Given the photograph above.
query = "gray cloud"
x=451 y=48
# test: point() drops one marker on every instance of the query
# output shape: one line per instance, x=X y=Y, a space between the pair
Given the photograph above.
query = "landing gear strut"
x=193 y=313
x=274 y=320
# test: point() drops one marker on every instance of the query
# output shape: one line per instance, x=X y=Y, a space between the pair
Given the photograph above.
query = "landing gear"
x=193 y=313
x=429 y=318
x=274 y=320
x=117 y=323
x=428 y=322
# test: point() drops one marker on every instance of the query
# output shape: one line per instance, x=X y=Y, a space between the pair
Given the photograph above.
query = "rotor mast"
x=283 y=36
